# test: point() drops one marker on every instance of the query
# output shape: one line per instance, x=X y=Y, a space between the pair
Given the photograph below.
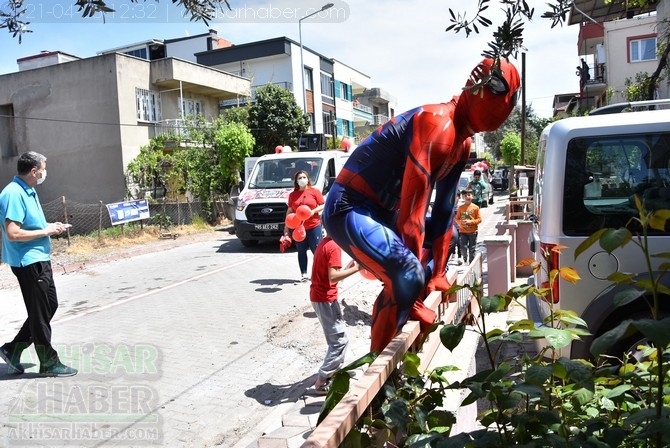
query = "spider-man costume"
x=376 y=209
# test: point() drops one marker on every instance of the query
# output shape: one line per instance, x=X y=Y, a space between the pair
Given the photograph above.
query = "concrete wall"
x=82 y=115
x=618 y=67
x=79 y=138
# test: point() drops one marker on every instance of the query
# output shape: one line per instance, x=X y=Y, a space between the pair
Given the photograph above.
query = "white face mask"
x=302 y=182
x=41 y=179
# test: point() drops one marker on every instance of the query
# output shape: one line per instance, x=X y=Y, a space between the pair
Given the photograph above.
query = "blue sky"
x=403 y=48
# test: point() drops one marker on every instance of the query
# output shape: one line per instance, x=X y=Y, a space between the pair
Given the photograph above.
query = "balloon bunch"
x=295 y=221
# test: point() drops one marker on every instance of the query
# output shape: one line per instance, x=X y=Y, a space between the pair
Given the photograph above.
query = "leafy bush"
x=542 y=399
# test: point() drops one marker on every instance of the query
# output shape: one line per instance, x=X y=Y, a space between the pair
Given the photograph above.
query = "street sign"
x=123 y=212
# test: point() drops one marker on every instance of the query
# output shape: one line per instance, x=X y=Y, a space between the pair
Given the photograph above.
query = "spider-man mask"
x=488 y=106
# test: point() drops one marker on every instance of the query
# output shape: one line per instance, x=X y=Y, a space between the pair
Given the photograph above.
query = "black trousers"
x=41 y=301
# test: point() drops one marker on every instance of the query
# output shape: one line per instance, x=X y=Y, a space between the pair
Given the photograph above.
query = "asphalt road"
x=172 y=349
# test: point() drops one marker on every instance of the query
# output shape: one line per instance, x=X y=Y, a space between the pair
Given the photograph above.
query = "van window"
x=603 y=174
x=279 y=173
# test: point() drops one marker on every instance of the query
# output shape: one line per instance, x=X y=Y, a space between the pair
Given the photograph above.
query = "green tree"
x=534 y=127
x=234 y=143
x=209 y=165
x=510 y=147
x=13 y=12
x=275 y=119
x=236 y=115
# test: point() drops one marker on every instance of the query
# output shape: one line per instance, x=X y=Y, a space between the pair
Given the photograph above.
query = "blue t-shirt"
x=19 y=203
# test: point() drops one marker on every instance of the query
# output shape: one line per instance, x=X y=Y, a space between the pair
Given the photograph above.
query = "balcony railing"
x=363 y=108
x=175 y=126
x=380 y=119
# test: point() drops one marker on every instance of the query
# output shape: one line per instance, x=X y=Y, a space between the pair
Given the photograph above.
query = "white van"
x=261 y=206
x=588 y=171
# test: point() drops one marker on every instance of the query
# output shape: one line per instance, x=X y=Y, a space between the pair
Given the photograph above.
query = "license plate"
x=266 y=226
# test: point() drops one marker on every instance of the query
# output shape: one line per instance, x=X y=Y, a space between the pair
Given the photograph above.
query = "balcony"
x=175 y=126
x=380 y=119
x=244 y=100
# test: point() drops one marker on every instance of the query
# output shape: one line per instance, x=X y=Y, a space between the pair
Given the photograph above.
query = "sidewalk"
x=293 y=427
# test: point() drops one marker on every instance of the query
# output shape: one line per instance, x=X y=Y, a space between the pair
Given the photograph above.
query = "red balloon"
x=303 y=212
x=278 y=149
x=292 y=221
x=367 y=274
x=346 y=144
x=299 y=234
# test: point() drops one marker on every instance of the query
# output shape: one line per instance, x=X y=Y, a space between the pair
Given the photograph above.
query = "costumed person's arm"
x=442 y=228
x=429 y=149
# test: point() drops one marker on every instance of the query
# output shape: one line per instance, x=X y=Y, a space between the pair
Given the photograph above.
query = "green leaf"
x=492 y=304
x=589 y=242
x=537 y=374
x=612 y=239
x=627 y=296
x=555 y=337
x=657 y=331
x=582 y=396
x=411 y=363
x=451 y=335
x=522 y=325
x=602 y=343
x=618 y=390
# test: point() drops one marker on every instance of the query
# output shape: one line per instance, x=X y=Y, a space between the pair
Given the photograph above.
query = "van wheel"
x=249 y=243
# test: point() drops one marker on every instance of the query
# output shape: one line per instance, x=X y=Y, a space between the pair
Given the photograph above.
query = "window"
x=328 y=122
x=7 y=142
x=139 y=53
x=344 y=91
x=311 y=123
x=602 y=176
x=148 y=105
x=326 y=85
x=642 y=49
x=309 y=83
x=192 y=107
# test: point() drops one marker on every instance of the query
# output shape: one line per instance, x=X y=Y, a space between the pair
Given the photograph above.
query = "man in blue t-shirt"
x=26 y=247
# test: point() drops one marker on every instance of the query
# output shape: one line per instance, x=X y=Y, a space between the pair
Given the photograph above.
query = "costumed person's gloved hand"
x=437 y=284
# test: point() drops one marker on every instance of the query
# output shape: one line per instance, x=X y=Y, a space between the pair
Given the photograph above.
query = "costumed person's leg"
x=375 y=246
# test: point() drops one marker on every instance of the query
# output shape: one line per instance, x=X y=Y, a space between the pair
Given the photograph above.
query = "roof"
x=46 y=54
x=603 y=11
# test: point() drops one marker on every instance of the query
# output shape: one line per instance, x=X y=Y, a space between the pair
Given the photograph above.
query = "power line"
x=58 y=120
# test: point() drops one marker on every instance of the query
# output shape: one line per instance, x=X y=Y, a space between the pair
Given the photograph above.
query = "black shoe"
x=58 y=369
x=13 y=362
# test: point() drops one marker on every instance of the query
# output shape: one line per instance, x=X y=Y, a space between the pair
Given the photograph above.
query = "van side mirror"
x=240 y=186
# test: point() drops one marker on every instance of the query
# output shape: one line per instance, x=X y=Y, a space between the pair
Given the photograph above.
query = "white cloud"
x=403 y=46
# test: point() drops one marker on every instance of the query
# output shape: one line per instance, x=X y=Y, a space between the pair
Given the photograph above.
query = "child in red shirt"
x=326 y=272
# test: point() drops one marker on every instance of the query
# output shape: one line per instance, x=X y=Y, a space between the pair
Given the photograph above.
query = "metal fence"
x=87 y=218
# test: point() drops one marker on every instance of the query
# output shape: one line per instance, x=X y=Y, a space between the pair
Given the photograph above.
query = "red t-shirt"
x=310 y=197
x=327 y=255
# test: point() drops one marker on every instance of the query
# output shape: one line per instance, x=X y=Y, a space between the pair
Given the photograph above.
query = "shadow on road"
x=276 y=394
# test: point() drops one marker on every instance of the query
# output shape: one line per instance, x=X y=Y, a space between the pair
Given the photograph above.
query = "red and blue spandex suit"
x=376 y=209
